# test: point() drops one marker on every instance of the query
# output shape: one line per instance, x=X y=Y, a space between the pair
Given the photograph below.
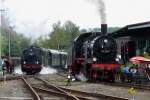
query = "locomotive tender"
x=94 y=55
x=34 y=58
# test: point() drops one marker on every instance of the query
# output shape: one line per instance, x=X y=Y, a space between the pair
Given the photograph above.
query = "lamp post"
x=1 y=10
x=9 y=42
x=9 y=39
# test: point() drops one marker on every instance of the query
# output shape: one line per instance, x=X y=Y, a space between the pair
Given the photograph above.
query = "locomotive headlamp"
x=30 y=53
x=105 y=40
x=24 y=62
x=94 y=59
x=37 y=62
x=117 y=59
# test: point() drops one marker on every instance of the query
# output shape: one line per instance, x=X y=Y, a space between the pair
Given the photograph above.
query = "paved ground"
x=16 y=89
x=100 y=88
x=13 y=89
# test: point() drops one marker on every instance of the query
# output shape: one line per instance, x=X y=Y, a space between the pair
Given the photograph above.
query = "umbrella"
x=139 y=59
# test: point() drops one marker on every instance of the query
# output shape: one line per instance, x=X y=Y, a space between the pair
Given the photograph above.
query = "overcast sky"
x=35 y=17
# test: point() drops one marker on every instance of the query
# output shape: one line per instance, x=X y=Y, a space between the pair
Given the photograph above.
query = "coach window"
x=50 y=58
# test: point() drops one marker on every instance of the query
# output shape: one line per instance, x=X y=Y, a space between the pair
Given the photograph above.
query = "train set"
x=94 y=55
x=34 y=58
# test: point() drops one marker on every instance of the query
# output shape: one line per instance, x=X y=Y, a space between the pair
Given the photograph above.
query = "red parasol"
x=139 y=59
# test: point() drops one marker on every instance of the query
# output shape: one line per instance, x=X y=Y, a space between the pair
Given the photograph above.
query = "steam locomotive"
x=34 y=58
x=94 y=55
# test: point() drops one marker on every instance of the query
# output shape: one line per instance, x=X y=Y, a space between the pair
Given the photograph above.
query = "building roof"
x=134 y=30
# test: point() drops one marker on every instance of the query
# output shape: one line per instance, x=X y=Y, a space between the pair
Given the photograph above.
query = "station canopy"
x=134 y=30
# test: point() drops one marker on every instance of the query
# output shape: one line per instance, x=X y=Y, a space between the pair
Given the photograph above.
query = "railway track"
x=45 y=90
x=61 y=93
x=29 y=87
x=30 y=93
x=37 y=89
x=79 y=94
x=128 y=85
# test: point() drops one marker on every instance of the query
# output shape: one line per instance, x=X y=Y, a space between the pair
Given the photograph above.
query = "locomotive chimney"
x=104 y=28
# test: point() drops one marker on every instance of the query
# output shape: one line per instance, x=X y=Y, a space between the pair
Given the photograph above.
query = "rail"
x=58 y=89
x=94 y=95
x=35 y=95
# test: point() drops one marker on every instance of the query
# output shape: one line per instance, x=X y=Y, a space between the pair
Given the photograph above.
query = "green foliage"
x=109 y=30
x=17 y=42
x=83 y=30
x=112 y=29
x=42 y=42
x=60 y=37
x=3 y=42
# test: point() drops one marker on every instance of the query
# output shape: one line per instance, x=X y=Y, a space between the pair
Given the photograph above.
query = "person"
x=133 y=72
x=122 y=76
x=117 y=73
x=147 y=72
x=12 y=65
x=127 y=73
x=70 y=79
x=8 y=65
x=1 y=63
x=3 y=66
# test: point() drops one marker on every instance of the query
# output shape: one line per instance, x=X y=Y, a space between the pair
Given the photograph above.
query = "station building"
x=133 y=40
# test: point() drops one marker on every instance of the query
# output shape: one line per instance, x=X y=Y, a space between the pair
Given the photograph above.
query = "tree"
x=18 y=42
x=56 y=36
x=112 y=29
x=83 y=30
x=61 y=36
x=72 y=30
x=42 y=42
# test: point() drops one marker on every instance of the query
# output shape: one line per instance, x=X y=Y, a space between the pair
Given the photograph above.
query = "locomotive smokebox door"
x=104 y=28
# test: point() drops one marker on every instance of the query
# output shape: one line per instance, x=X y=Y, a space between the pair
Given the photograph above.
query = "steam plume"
x=101 y=9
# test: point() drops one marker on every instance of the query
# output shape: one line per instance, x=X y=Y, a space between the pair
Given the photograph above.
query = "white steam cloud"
x=101 y=9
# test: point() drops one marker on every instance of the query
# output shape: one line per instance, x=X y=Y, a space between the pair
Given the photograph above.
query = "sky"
x=35 y=18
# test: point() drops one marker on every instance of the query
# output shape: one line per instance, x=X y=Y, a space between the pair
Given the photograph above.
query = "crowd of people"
x=135 y=73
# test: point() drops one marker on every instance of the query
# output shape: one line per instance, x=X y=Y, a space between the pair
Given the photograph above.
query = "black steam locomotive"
x=94 y=55
x=34 y=58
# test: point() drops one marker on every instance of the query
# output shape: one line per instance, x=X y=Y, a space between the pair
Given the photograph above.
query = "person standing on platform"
x=7 y=62
x=4 y=66
x=127 y=73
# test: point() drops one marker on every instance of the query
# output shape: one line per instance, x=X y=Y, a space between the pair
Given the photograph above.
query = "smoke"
x=101 y=9
x=17 y=70
x=48 y=70
x=81 y=77
x=45 y=70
